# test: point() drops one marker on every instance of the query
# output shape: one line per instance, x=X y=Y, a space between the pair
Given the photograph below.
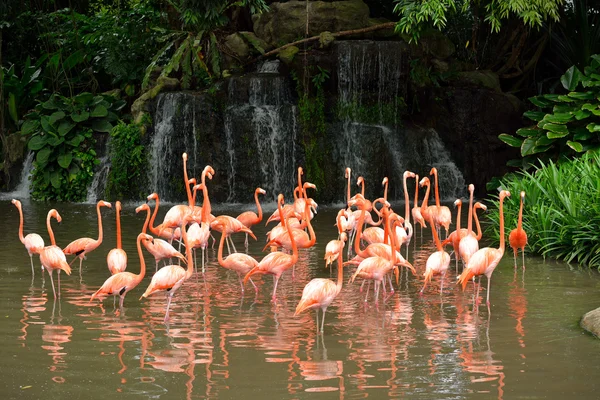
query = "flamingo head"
x=300 y=171
x=145 y=237
x=360 y=181
x=409 y=174
x=103 y=203
x=480 y=205
x=198 y=187
x=457 y=202
x=424 y=182
x=471 y=188
x=117 y=206
x=16 y=202
x=433 y=171
x=184 y=156
x=385 y=180
x=54 y=214
x=313 y=205
x=343 y=237
x=309 y=185
x=144 y=206
x=208 y=170
x=280 y=199
x=153 y=196
x=261 y=191
x=357 y=200
x=503 y=194
x=522 y=196
x=347 y=173
x=192 y=181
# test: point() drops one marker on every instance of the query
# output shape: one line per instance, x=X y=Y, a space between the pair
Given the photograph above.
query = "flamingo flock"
x=376 y=249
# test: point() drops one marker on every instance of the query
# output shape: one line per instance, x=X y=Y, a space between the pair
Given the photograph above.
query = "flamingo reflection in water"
x=55 y=335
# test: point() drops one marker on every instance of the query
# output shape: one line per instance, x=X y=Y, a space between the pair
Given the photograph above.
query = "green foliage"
x=60 y=133
x=19 y=92
x=561 y=214
x=128 y=160
x=416 y=15
x=566 y=124
x=212 y=14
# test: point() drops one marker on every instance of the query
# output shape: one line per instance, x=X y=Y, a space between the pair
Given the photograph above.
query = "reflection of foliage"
x=561 y=214
x=128 y=161
x=60 y=133
x=566 y=124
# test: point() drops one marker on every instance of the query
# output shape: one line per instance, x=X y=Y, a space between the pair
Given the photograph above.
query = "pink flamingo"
x=158 y=230
x=84 y=245
x=416 y=210
x=276 y=262
x=52 y=257
x=121 y=283
x=517 y=238
x=335 y=247
x=250 y=218
x=160 y=249
x=117 y=258
x=428 y=212
x=443 y=216
x=485 y=260
x=171 y=277
x=33 y=242
x=176 y=214
x=468 y=244
x=437 y=263
x=241 y=263
x=319 y=292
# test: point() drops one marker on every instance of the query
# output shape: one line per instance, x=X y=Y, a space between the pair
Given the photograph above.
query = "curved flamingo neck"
x=438 y=244
x=50 y=231
x=348 y=190
x=416 y=191
x=21 y=237
x=301 y=189
x=258 y=207
x=470 y=218
x=502 y=225
x=220 y=252
x=99 y=223
x=153 y=229
x=361 y=221
x=479 y=232
x=406 y=202
x=188 y=252
x=118 y=209
x=206 y=202
x=140 y=276
x=187 y=183
x=340 y=277
x=426 y=197
x=458 y=212
x=294 y=247
x=520 y=220
x=362 y=189
x=145 y=227
x=311 y=232
x=281 y=216
x=437 y=192
x=385 y=190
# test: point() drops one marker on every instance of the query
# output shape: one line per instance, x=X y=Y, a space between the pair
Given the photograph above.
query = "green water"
x=221 y=344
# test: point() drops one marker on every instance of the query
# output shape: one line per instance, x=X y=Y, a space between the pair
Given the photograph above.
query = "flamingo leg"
x=228 y=247
x=391 y=286
x=122 y=298
x=488 y=291
x=195 y=263
x=323 y=320
x=253 y=284
x=442 y=286
x=362 y=285
x=31 y=258
x=58 y=273
x=115 y=301
x=368 y=287
x=169 y=297
x=80 y=264
x=515 y=257
x=523 y=255
x=156 y=269
x=202 y=261
x=377 y=292
x=246 y=241
x=242 y=283
x=276 y=279
x=52 y=280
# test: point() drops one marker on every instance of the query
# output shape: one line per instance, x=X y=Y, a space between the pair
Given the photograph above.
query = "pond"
x=219 y=343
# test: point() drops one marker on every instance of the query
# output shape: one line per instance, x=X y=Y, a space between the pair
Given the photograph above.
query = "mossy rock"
x=591 y=322
x=236 y=44
x=435 y=44
x=139 y=108
x=15 y=147
x=481 y=78
x=287 y=55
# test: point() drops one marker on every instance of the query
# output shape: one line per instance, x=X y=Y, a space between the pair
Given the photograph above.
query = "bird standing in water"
x=33 y=242
x=517 y=238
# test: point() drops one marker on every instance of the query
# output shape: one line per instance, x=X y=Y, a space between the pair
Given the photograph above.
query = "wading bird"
x=517 y=237
x=117 y=258
x=33 y=242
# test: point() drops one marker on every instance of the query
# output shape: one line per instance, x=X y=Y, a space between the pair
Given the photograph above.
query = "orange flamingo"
x=176 y=214
x=84 y=245
x=443 y=217
x=428 y=212
x=485 y=260
x=198 y=234
x=52 y=257
x=160 y=249
x=320 y=292
x=33 y=242
x=158 y=230
x=335 y=247
x=416 y=210
x=121 y=283
x=117 y=258
x=468 y=244
x=437 y=263
x=518 y=237
x=249 y=218
x=455 y=236
x=407 y=225
x=171 y=277
x=276 y=262
x=241 y=263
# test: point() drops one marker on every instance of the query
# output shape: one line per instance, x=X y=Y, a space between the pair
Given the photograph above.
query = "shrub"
x=562 y=213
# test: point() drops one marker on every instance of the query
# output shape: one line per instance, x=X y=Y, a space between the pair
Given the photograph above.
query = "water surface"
x=222 y=344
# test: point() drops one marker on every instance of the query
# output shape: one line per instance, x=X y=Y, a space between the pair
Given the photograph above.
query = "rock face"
x=591 y=322
x=286 y=22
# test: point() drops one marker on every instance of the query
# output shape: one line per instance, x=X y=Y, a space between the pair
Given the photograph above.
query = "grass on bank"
x=562 y=209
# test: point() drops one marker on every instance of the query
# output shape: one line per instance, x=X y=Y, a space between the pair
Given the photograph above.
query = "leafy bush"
x=127 y=176
x=562 y=212
x=566 y=124
x=60 y=133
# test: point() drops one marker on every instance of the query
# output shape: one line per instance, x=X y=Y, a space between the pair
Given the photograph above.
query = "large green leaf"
x=571 y=78
x=65 y=127
x=43 y=155
x=80 y=116
x=45 y=121
x=581 y=133
x=582 y=95
x=556 y=135
x=12 y=107
x=37 y=142
x=534 y=115
x=50 y=104
x=544 y=141
x=557 y=128
x=76 y=141
x=582 y=114
x=29 y=126
x=118 y=105
x=510 y=140
x=528 y=132
x=56 y=141
x=527 y=148
x=564 y=108
x=99 y=111
x=575 y=146
x=101 y=125
x=55 y=179
x=558 y=118
x=56 y=116
x=64 y=160
x=551 y=97
x=540 y=101
x=566 y=99
x=589 y=106
x=83 y=98
x=593 y=127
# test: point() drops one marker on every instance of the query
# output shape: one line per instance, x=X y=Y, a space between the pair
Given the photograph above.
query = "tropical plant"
x=60 y=133
x=128 y=160
x=567 y=124
x=562 y=213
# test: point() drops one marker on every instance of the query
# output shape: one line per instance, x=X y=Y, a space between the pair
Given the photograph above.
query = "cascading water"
x=372 y=79
x=261 y=130
x=22 y=189
x=98 y=185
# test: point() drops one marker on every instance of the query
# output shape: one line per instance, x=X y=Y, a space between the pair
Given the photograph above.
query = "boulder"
x=287 y=55
x=286 y=22
x=435 y=44
x=236 y=44
x=591 y=322
x=481 y=78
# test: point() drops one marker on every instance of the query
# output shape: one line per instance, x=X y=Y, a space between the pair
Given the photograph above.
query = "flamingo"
x=169 y=233
x=52 y=257
x=437 y=263
x=320 y=292
x=229 y=225
x=443 y=217
x=468 y=244
x=416 y=210
x=276 y=262
x=84 y=245
x=241 y=263
x=160 y=249
x=518 y=237
x=171 y=277
x=428 y=212
x=117 y=258
x=176 y=214
x=249 y=218
x=33 y=242
x=335 y=247
x=121 y=283
x=407 y=225
x=485 y=260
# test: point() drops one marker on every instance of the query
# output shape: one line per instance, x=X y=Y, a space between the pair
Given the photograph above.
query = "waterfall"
x=22 y=190
x=98 y=185
x=261 y=130
x=373 y=140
